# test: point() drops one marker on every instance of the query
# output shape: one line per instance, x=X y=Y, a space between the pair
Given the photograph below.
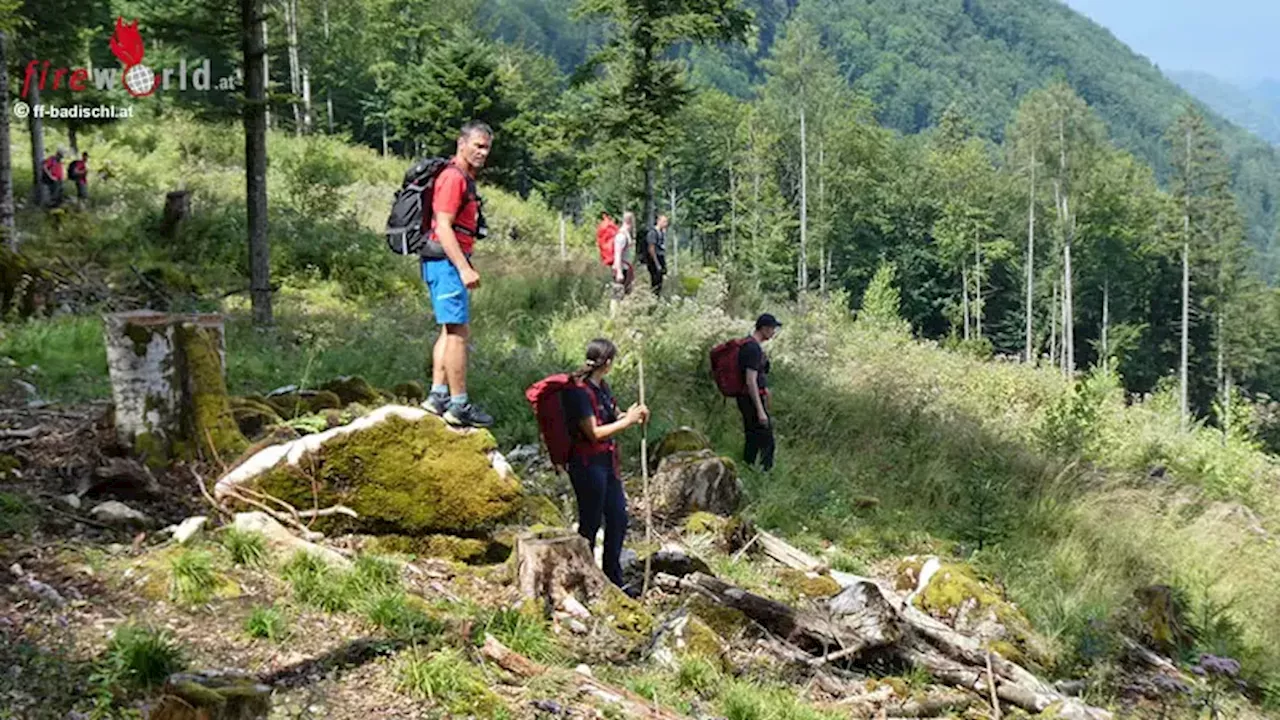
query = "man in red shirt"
x=78 y=171
x=455 y=224
x=52 y=176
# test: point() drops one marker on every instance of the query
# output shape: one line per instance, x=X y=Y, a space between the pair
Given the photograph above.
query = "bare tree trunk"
x=733 y=204
x=8 y=228
x=1186 y=293
x=563 y=253
x=295 y=75
x=1106 y=325
x=1068 y=314
x=255 y=157
x=822 y=212
x=328 y=93
x=802 y=276
x=1031 y=256
x=384 y=137
x=306 y=100
x=675 y=239
x=650 y=207
x=1053 y=326
x=36 y=126
x=964 y=297
x=977 y=279
x=1222 y=357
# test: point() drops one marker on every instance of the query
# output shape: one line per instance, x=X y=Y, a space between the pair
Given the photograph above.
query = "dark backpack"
x=724 y=367
x=404 y=225
x=544 y=396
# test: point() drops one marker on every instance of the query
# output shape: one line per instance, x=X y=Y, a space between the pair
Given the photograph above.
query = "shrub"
x=246 y=547
x=267 y=623
x=194 y=578
x=141 y=657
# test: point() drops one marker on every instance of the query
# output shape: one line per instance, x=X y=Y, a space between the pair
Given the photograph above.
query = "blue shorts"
x=450 y=300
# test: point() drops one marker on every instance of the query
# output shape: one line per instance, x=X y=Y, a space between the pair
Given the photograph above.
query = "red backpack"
x=544 y=396
x=604 y=240
x=725 y=370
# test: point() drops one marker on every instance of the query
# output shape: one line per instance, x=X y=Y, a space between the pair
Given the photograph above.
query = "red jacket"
x=79 y=171
x=53 y=169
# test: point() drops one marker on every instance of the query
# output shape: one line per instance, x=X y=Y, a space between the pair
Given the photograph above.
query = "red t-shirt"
x=79 y=172
x=54 y=169
x=451 y=195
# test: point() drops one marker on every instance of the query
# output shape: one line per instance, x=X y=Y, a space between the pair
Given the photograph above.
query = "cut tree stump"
x=551 y=568
x=167 y=382
x=177 y=206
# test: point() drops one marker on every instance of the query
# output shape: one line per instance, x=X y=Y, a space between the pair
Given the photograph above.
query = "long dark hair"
x=599 y=352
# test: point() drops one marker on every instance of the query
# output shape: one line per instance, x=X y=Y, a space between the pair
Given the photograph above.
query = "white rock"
x=583 y=670
x=571 y=605
x=279 y=537
x=577 y=627
x=114 y=512
x=71 y=500
x=189 y=528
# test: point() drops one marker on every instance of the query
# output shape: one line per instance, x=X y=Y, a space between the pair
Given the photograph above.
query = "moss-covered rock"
x=809 y=586
x=402 y=470
x=8 y=465
x=540 y=510
x=411 y=392
x=253 y=415
x=447 y=547
x=682 y=439
x=213 y=695
x=323 y=400
x=625 y=616
x=956 y=595
x=695 y=481
x=353 y=390
x=726 y=622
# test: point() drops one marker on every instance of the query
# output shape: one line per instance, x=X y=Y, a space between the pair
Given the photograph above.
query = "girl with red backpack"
x=579 y=420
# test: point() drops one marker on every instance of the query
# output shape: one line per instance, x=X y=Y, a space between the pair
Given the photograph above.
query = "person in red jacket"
x=51 y=175
x=455 y=223
x=78 y=171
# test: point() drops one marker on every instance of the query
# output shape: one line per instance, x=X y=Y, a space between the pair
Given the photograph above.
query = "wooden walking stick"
x=644 y=473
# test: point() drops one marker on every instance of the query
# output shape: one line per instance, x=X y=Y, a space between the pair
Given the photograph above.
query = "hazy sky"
x=1233 y=39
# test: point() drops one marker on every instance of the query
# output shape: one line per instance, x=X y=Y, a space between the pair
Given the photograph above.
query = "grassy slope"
x=1044 y=487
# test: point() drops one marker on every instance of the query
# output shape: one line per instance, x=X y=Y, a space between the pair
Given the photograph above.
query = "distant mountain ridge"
x=1256 y=109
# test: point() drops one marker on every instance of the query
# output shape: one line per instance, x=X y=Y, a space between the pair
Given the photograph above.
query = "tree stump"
x=550 y=568
x=177 y=206
x=167 y=382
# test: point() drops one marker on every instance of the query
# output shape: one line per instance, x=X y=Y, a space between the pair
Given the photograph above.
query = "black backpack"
x=404 y=225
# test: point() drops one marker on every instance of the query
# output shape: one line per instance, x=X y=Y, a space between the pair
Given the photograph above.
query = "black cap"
x=767 y=320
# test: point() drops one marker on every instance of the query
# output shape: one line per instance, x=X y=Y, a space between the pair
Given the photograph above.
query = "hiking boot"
x=436 y=404
x=467 y=416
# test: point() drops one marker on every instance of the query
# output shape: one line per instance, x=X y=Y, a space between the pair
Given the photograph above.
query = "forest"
x=1028 y=393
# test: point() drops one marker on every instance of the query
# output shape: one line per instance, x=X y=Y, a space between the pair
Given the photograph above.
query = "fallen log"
x=631 y=704
x=868 y=615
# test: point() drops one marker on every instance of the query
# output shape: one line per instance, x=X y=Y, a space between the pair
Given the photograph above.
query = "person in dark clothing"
x=757 y=423
x=592 y=415
x=655 y=253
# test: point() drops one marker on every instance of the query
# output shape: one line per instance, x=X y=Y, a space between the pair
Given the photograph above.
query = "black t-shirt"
x=751 y=357
x=577 y=405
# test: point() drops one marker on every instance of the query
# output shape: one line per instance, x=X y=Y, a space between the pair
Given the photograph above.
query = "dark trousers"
x=601 y=497
x=655 y=276
x=759 y=437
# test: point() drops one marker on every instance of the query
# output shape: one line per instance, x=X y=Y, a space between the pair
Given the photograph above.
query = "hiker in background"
x=655 y=253
x=78 y=171
x=757 y=423
x=455 y=224
x=51 y=175
x=591 y=414
x=623 y=273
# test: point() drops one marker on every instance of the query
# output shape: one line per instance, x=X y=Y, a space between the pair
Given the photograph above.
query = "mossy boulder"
x=400 y=469
x=726 y=622
x=253 y=415
x=213 y=695
x=682 y=439
x=447 y=547
x=809 y=586
x=957 y=595
x=690 y=482
x=625 y=616
x=353 y=390
x=411 y=392
x=540 y=510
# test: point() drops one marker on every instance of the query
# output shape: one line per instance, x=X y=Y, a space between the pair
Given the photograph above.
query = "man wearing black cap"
x=754 y=406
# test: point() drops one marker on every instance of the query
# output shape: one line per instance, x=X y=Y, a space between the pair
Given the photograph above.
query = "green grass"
x=267 y=623
x=245 y=547
x=698 y=675
x=68 y=351
x=522 y=632
x=141 y=657
x=194 y=578
x=448 y=680
x=402 y=617
x=316 y=584
x=15 y=515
